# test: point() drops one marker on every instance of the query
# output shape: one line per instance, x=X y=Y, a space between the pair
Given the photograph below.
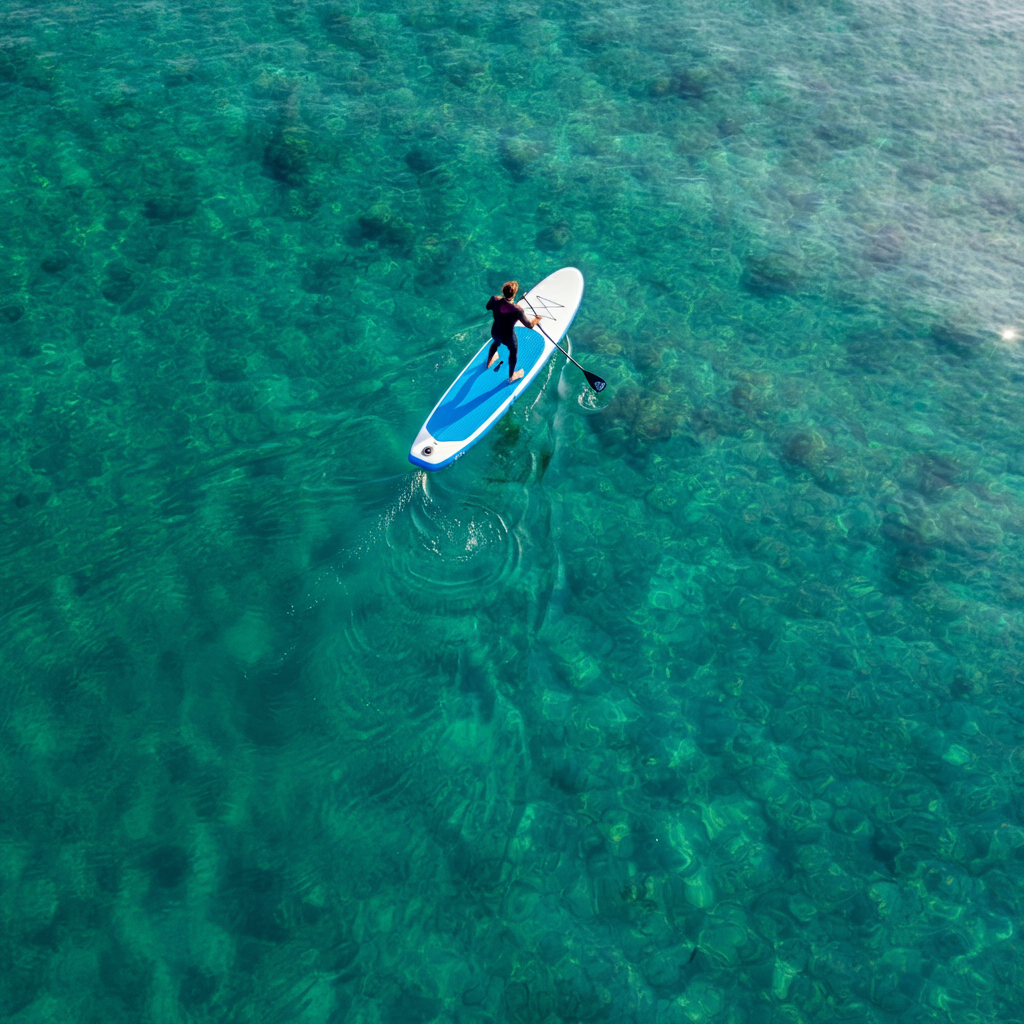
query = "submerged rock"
x=554 y=237
x=226 y=364
x=55 y=262
x=169 y=866
x=167 y=208
x=688 y=84
x=286 y=158
x=805 y=448
x=517 y=155
x=956 y=342
x=421 y=160
x=771 y=274
x=381 y=224
x=840 y=136
x=120 y=285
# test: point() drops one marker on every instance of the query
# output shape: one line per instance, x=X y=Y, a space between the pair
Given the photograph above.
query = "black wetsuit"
x=503 y=330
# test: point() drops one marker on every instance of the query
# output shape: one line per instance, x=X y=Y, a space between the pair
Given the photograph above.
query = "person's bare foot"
x=516 y=375
x=490 y=362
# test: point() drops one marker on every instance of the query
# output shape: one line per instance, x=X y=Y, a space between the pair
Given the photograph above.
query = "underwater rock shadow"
x=954 y=343
x=771 y=275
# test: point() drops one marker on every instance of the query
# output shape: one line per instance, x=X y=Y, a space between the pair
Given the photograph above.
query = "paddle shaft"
x=552 y=340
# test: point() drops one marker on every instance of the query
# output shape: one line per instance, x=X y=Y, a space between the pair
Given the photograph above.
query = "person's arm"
x=525 y=320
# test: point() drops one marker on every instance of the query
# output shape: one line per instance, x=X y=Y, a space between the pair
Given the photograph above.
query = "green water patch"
x=694 y=700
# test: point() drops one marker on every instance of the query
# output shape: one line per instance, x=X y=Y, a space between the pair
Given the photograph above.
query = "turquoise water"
x=698 y=700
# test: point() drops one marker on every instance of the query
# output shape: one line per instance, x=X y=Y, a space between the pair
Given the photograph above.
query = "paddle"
x=592 y=378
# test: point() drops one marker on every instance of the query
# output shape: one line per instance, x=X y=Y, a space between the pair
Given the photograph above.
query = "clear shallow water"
x=727 y=660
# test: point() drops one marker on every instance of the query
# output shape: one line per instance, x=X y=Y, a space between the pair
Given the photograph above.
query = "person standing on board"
x=506 y=315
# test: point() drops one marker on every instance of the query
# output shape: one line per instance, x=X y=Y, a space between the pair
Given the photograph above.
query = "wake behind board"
x=479 y=397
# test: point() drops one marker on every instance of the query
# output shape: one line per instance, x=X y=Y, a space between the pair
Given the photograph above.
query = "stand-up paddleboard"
x=479 y=397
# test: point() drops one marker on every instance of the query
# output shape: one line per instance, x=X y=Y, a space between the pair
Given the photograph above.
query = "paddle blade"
x=595 y=382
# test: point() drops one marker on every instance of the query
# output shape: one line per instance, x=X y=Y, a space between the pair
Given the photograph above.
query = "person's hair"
x=509 y=288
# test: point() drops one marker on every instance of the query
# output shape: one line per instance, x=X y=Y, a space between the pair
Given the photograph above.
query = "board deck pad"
x=479 y=392
x=479 y=397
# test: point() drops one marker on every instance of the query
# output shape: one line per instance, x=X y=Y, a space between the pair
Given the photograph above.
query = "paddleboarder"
x=506 y=315
x=472 y=404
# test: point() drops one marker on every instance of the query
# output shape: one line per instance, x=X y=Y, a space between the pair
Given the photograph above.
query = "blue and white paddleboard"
x=479 y=397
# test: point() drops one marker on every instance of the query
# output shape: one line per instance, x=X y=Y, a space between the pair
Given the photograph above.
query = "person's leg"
x=513 y=354
x=491 y=355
